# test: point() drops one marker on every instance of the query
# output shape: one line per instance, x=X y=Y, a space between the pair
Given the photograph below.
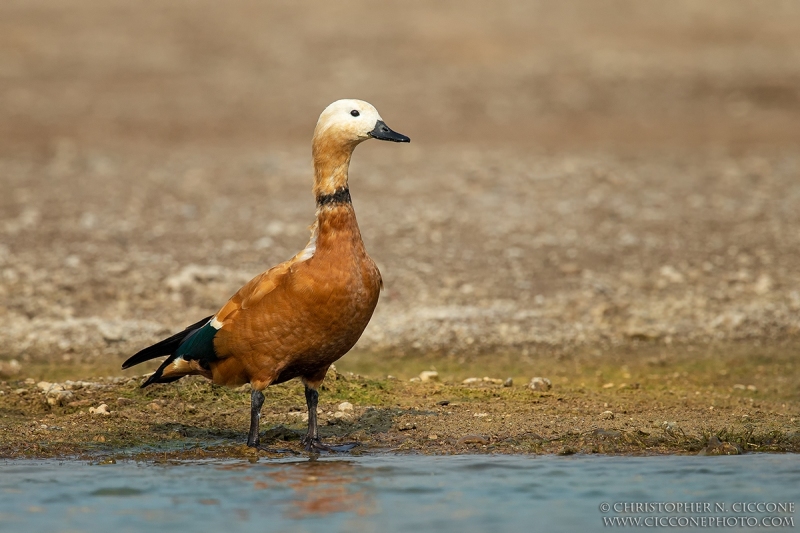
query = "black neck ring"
x=342 y=196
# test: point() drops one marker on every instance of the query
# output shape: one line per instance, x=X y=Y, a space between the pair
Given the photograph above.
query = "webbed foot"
x=316 y=446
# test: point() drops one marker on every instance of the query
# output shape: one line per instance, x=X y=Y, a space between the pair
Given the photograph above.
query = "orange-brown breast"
x=301 y=316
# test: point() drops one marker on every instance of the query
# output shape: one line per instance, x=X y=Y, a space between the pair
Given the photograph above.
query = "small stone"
x=607 y=415
x=429 y=375
x=124 y=401
x=345 y=406
x=101 y=409
x=20 y=391
x=29 y=381
x=59 y=397
x=44 y=385
x=508 y=382
x=9 y=368
x=433 y=436
x=472 y=439
x=154 y=406
x=540 y=384
x=480 y=415
x=416 y=380
x=111 y=332
x=763 y=284
x=470 y=381
x=443 y=402
x=717 y=447
x=407 y=426
x=739 y=386
x=607 y=433
x=752 y=388
x=608 y=385
x=496 y=381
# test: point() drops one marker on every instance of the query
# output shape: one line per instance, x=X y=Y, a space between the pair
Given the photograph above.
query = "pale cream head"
x=354 y=121
x=340 y=128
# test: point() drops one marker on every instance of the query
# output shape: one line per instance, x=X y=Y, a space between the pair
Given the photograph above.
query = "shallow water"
x=384 y=493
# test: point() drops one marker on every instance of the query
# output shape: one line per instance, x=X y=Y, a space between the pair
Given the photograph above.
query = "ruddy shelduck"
x=297 y=318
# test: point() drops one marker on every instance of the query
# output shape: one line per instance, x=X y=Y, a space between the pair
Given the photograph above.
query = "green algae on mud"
x=658 y=400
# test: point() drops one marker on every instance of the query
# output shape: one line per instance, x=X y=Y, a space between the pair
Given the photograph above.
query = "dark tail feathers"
x=165 y=347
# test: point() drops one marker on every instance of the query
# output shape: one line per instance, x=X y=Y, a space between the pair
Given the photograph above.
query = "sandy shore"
x=583 y=193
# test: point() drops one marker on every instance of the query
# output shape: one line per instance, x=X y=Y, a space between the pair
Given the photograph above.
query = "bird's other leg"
x=311 y=442
x=256 y=401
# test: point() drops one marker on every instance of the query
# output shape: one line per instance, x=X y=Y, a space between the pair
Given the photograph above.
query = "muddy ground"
x=592 y=191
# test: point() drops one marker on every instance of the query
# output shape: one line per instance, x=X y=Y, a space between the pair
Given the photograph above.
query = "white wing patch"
x=308 y=252
x=216 y=324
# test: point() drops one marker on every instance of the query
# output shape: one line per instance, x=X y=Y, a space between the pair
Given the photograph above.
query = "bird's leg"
x=253 y=440
x=311 y=441
x=256 y=401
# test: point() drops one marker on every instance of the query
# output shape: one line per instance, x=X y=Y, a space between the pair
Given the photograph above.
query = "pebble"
x=508 y=382
x=469 y=381
x=480 y=415
x=540 y=384
x=717 y=447
x=433 y=436
x=415 y=379
x=472 y=439
x=429 y=375
x=345 y=406
x=443 y=402
x=101 y=409
x=607 y=433
x=607 y=385
x=607 y=415
x=407 y=426
x=59 y=397
x=9 y=368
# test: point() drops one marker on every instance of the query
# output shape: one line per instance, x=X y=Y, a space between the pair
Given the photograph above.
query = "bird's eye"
x=354 y=113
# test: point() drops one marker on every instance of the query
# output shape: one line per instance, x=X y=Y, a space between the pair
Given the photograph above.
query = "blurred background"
x=583 y=176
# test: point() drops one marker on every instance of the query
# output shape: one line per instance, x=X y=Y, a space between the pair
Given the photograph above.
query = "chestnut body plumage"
x=297 y=318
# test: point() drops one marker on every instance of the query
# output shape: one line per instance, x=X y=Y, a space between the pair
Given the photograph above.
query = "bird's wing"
x=251 y=293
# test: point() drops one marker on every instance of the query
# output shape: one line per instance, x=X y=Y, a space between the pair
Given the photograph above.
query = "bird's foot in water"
x=316 y=446
x=257 y=446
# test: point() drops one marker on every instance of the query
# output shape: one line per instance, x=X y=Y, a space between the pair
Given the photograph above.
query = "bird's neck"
x=336 y=227
x=331 y=164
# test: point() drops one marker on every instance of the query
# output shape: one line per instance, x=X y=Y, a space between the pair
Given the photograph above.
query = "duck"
x=299 y=317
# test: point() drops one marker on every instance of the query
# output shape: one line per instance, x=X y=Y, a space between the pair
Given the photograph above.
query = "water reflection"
x=319 y=487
